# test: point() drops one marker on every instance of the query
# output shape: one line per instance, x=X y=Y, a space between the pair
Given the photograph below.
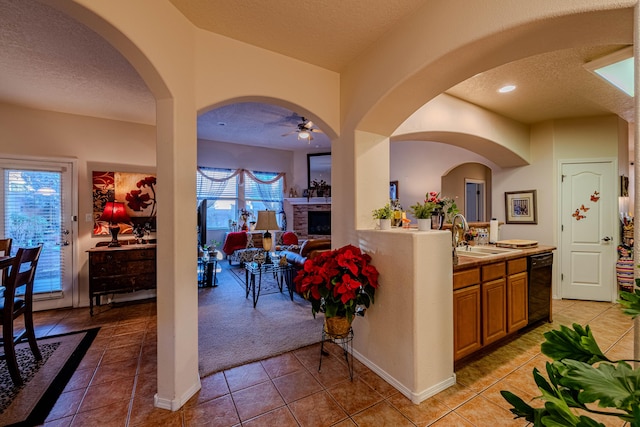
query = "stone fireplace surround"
x=297 y=210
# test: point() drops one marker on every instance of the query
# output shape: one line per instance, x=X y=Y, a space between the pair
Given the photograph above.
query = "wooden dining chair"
x=5 y=250
x=21 y=273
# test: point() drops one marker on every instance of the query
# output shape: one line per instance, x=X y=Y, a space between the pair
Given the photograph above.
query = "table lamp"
x=267 y=221
x=114 y=213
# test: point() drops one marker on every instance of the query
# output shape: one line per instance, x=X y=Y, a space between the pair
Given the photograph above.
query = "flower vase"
x=437 y=219
x=424 y=224
x=385 y=224
x=337 y=326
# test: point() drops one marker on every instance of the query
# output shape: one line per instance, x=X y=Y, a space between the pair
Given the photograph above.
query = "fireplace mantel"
x=309 y=201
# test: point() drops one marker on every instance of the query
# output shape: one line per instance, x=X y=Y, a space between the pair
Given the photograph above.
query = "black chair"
x=21 y=273
x=5 y=248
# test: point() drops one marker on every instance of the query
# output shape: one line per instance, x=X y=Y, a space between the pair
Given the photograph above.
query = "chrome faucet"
x=454 y=235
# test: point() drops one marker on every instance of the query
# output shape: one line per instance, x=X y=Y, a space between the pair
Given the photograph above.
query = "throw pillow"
x=289 y=238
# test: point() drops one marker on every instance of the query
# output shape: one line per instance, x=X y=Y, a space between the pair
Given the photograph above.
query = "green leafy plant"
x=422 y=210
x=213 y=244
x=383 y=213
x=581 y=376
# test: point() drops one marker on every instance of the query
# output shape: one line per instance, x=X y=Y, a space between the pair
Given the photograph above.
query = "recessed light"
x=507 y=88
x=222 y=124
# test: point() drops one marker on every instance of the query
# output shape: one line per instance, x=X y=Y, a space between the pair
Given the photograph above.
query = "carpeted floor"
x=44 y=380
x=232 y=332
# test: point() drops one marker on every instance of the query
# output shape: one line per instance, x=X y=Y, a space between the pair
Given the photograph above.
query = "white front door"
x=588 y=227
x=36 y=207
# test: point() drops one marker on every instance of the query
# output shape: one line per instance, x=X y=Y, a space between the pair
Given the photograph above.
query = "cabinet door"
x=466 y=321
x=494 y=310
x=517 y=312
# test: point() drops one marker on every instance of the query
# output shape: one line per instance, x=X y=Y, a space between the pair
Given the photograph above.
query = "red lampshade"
x=114 y=213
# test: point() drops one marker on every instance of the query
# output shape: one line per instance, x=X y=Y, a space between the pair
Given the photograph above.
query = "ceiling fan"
x=304 y=129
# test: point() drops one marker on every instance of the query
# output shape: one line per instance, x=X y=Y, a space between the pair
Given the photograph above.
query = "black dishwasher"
x=539 y=268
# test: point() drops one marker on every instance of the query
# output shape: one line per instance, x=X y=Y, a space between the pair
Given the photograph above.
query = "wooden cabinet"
x=494 y=302
x=489 y=303
x=123 y=269
x=517 y=295
x=467 y=337
x=494 y=316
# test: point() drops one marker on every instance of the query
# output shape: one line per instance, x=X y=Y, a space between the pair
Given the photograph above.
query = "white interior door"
x=588 y=224
x=37 y=205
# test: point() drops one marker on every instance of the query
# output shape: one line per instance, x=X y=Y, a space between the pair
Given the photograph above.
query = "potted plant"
x=384 y=216
x=445 y=208
x=422 y=212
x=340 y=283
x=580 y=377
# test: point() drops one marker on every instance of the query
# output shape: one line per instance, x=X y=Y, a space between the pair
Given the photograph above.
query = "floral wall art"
x=136 y=190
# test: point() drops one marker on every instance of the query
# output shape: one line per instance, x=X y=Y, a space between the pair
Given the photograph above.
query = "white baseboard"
x=175 y=404
x=415 y=397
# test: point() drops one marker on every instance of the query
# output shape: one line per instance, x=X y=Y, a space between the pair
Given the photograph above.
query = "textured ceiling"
x=51 y=62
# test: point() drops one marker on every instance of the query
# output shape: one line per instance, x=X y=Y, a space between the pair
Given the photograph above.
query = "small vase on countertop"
x=385 y=224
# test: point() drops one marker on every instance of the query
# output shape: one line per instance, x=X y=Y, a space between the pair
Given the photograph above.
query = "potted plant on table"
x=422 y=212
x=383 y=215
x=341 y=284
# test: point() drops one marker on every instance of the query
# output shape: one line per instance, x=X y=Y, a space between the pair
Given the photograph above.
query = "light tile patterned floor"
x=115 y=383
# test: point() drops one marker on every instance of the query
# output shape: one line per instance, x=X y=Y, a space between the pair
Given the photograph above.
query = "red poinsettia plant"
x=341 y=282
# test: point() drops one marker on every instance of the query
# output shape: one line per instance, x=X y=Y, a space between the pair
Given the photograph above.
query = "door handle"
x=606 y=239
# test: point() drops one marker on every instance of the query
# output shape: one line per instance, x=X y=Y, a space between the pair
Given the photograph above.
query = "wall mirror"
x=318 y=168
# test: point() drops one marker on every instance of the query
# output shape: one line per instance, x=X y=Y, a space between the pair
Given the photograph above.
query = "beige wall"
x=453 y=184
x=94 y=143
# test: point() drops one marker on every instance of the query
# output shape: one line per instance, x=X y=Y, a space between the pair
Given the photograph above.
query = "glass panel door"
x=36 y=209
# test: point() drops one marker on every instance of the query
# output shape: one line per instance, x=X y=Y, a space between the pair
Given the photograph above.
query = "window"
x=260 y=197
x=225 y=196
x=220 y=188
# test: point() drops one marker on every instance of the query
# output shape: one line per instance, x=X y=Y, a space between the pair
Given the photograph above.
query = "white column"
x=177 y=289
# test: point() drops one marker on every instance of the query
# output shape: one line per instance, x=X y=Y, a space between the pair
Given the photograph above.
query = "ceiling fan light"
x=304 y=135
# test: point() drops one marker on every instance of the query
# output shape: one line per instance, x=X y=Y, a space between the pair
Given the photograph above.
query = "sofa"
x=243 y=246
x=309 y=249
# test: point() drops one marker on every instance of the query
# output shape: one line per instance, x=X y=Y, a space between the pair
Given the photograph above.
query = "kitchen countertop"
x=467 y=262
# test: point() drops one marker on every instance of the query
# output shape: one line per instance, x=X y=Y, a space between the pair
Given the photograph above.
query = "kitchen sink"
x=484 y=251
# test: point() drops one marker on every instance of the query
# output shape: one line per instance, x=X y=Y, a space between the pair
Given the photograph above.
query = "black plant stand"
x=345 y=342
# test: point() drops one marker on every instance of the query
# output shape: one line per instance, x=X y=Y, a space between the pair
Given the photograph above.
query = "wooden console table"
x=122 y=269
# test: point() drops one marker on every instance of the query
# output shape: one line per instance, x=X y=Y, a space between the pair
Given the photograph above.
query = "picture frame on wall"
x=520 y=207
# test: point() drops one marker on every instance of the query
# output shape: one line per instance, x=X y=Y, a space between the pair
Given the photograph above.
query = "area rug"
x=44 y=380
x=231 y=332
x=268 y=285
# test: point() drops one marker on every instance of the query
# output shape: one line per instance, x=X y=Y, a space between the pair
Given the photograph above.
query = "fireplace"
x=319 y=222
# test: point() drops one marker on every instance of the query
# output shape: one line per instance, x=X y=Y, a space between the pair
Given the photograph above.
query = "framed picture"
x=136 y=190
x=520 y=207
x=393 y=190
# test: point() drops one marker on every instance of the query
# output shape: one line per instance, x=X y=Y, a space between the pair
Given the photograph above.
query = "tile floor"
x=115 y=383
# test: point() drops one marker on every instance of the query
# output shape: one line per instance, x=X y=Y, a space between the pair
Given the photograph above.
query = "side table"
x=207 y=271
x=283 y=273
